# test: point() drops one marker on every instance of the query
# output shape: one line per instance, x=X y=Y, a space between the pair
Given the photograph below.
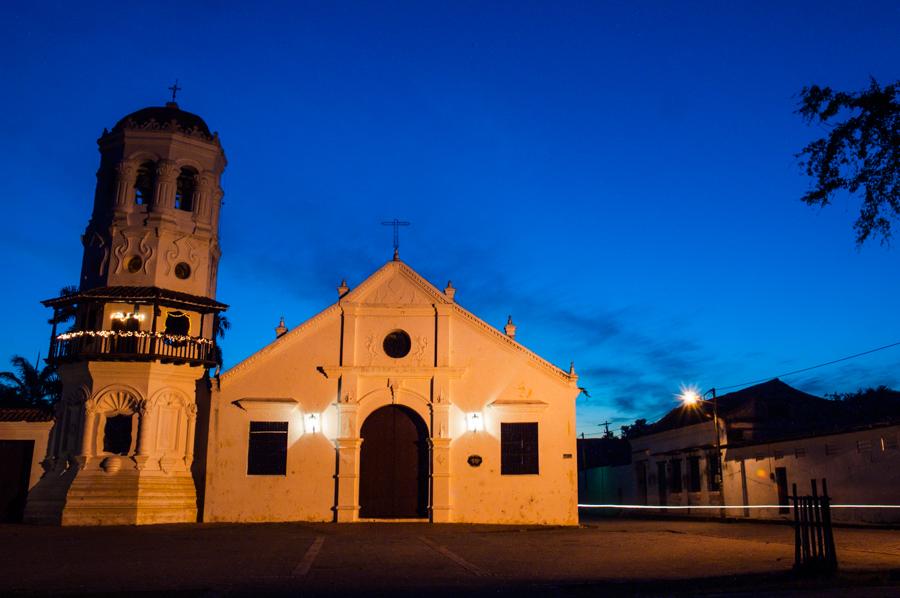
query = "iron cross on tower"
x=396 y=224
x=175 y=89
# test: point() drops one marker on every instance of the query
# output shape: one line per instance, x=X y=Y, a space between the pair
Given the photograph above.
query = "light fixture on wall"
x=474 y=422
x=312 y=423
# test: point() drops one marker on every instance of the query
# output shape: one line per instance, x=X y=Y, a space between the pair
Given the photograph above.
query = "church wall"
x=500 y=376
x=456 y=366
x=281 y=387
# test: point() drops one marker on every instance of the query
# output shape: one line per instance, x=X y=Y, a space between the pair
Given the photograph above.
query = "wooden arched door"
x=393 y=468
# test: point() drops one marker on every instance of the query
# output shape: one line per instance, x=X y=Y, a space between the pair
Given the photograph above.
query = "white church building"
x=394 y=403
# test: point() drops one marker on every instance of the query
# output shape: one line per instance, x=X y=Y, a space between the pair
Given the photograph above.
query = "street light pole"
x=691 y=397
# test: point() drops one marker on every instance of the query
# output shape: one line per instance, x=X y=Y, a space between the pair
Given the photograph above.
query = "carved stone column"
x=126 y=172
x=146 y=411
x=87 y=435
x=440 y=479
x=203 y=196
x=191 y=412
x=348 y=445
x=166 y=177
x=439 y=447
x=215 y=204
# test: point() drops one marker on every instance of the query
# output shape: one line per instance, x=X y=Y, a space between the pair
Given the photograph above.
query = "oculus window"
x=182 y=270
x=518 y=449
x=397 y=344
x=267 y=452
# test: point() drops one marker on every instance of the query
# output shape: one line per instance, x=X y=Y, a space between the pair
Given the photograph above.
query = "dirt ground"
x=604 y=556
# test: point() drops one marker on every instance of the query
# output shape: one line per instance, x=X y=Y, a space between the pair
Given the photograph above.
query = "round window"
x=182 y=270
x=134 y=264
x=397 y=344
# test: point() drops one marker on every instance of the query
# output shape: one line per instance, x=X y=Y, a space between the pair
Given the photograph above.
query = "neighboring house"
x=604 y=470
x=24 y=433
x=771 y=437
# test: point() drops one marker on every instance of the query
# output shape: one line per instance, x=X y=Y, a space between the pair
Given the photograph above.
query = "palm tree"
x=64 y=314
x=27 y=385
x=220 y=325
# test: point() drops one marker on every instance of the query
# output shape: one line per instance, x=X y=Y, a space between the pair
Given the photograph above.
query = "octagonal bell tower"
x=145 y=317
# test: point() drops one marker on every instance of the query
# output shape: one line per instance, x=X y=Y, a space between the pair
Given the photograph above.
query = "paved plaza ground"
x=601 y=557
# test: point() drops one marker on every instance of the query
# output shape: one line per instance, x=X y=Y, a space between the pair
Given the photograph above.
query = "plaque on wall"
x=474 y=460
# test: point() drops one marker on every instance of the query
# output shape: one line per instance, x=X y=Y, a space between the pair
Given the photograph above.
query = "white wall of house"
x=861 y=467
x=39 y=433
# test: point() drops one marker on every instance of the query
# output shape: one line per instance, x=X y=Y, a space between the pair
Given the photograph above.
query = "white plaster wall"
x=306 y=492
x=488 y=369
x=39 y=432
x=861 y=467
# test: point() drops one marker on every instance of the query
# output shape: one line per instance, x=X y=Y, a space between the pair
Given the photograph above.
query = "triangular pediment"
x=395 y=285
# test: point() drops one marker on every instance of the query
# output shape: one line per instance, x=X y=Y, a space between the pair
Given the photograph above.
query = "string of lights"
x=137 y=334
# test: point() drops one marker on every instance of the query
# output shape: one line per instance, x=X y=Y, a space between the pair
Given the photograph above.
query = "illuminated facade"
x=393 y=403
x=143 y=332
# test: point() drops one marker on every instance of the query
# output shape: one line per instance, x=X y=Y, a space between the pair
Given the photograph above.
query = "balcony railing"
x=132 y=346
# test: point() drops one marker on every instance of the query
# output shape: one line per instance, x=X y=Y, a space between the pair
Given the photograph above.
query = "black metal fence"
x=813 y=537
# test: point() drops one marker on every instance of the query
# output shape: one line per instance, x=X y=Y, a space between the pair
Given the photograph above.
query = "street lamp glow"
x=689 y=396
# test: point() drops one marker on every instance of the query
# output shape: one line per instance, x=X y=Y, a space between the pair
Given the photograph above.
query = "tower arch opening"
x=144 y=183
x=185 y=187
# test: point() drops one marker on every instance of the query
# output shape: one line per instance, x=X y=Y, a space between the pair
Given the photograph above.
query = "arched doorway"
x=393 y=465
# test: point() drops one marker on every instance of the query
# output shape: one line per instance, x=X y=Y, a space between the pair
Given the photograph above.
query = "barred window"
x=518 y=449
x=675 y=480
x=713 y=475
x=267 y=452
x=694 y=474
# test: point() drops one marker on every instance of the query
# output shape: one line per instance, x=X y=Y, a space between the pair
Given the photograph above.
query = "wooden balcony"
x=118 y=346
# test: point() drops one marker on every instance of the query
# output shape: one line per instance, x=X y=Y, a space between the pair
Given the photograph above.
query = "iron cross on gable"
x=175 y=89
x=396 y=224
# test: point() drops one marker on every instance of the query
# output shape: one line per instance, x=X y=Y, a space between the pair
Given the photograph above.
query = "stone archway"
x=393 y=478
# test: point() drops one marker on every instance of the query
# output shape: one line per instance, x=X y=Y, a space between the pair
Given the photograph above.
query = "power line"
x=791 y=373
x=812 y=367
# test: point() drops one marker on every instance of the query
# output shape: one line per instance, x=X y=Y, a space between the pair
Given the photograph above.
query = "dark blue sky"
x=618 y=176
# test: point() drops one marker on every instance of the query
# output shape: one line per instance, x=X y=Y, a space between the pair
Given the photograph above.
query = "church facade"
x=392 y=403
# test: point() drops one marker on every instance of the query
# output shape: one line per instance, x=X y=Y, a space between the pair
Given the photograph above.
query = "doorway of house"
x=15 y=471
x=782 y=483
x=393 y=465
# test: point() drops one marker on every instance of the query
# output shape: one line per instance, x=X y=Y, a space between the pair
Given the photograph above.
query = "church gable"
x=395 y=284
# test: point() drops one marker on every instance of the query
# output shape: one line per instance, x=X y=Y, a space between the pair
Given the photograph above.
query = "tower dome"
x=165 y=118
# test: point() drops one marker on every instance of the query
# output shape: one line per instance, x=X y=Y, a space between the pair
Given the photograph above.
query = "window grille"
x=518 y=449
x=267 y=452
x=694 y=474
x=675 y=480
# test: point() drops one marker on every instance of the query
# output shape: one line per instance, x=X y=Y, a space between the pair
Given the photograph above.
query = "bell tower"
x=143 y=328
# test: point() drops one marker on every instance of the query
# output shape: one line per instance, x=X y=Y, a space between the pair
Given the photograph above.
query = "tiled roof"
x=138 y=294
x=25 y=414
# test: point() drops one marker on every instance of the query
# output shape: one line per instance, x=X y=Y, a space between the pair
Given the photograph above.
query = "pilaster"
x=166 y=175
x=440 y=479
x=347 y=508
x=126 y=171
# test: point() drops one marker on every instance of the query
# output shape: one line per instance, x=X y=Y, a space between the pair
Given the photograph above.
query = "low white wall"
x=39 y=432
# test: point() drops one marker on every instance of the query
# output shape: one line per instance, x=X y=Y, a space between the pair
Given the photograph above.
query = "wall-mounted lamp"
x=474 y=422
x=312 y=423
